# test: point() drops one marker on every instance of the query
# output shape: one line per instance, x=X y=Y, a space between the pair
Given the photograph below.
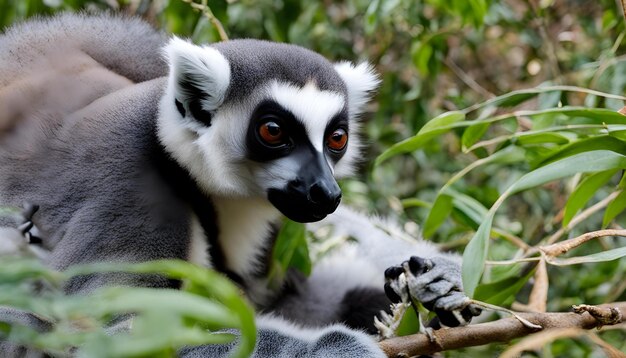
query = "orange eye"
x=337 y=140
x=271 y=133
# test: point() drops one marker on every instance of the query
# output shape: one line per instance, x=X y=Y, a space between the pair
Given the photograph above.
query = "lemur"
x=136 y=147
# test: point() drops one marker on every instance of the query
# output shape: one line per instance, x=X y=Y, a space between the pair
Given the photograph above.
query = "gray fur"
x=253 y=62
x=81 y=97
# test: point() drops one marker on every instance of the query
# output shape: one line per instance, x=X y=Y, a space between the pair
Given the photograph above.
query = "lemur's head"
x=253 y=118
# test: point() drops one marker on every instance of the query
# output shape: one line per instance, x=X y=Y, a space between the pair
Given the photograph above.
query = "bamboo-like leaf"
x=475 y=255
x=290 y=250
x=471 y=207
x=541 y=138
x=437 y=215
x=473 y=133
x=497 y=293
x=584 y=192
x=436 y=126
x=614 y=208
x=587 y=162
x=619 y=134
x=603 y=256
x=602 y=142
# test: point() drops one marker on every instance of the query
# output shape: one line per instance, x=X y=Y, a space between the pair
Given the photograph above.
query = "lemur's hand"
x=436 y=283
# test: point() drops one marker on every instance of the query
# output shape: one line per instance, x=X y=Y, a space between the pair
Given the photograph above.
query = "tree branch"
x=502 y=330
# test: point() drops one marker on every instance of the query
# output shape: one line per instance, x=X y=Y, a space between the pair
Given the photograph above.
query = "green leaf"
x=475 y=255
x=471 y=207
x=422 y=57
x=290 y=250
x=442 y=121
x=541 y=138
x=584 y=192
x=619 y=134
x=614 y=208
x=587 y=162
x=409 y=323
x=437 y=126
x=442 y=207
x=371 y=16
x=497 y=293
x=549 y=99
x=415 y=203
x=473 y=133
x=603 y=256
x=603 y=142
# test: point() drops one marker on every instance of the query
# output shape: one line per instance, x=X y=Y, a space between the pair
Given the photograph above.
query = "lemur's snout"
x=326 y=195
x=311 y=195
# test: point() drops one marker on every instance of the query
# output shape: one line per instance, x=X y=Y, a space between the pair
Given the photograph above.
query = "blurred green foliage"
x=445 y=63
x=162 y=320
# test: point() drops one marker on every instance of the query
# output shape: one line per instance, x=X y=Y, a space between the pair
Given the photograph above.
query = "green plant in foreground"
x=162 y=320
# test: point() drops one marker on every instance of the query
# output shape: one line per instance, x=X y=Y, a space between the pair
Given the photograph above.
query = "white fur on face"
x=312 y=107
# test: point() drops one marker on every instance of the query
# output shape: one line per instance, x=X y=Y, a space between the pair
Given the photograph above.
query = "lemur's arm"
x=361 y=278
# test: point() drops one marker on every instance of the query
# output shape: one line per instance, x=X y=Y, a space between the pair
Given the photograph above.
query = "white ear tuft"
x=197 y=74
x=361 y=81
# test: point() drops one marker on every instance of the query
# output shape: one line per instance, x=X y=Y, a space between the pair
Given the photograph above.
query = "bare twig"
x=208 y=13
x=550 y=50
x=502 y=330
x=564 y=246
x=467 y=79
x=582 y=217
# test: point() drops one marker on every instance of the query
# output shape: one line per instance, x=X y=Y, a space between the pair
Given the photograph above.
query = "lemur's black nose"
x=326 y=195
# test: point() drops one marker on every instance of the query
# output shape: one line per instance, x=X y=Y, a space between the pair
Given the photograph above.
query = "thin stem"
x=565 y=246
x=208 y=13
x=512 y=262
x=467 y=79
x=582 y=217
x=524 y=321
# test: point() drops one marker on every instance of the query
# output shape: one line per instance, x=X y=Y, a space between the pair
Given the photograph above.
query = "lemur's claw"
x=27 y=226
x=436 y=283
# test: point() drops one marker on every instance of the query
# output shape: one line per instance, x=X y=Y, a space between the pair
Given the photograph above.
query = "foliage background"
x=436 y=56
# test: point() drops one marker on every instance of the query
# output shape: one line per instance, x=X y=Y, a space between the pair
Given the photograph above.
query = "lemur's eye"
x=271 y=133
x=337 y=140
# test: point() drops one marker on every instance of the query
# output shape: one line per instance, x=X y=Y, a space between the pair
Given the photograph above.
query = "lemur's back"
x=53 y=67
x=77 y=109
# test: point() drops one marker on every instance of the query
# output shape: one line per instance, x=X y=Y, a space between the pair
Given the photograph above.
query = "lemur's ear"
x=361 y=81
x=199 y=77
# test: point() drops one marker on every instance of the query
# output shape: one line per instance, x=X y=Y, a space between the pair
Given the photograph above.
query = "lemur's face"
x=296 y=136
x=252 y=128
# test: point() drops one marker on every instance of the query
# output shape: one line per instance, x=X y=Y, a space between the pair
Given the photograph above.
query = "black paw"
x=436 y=283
